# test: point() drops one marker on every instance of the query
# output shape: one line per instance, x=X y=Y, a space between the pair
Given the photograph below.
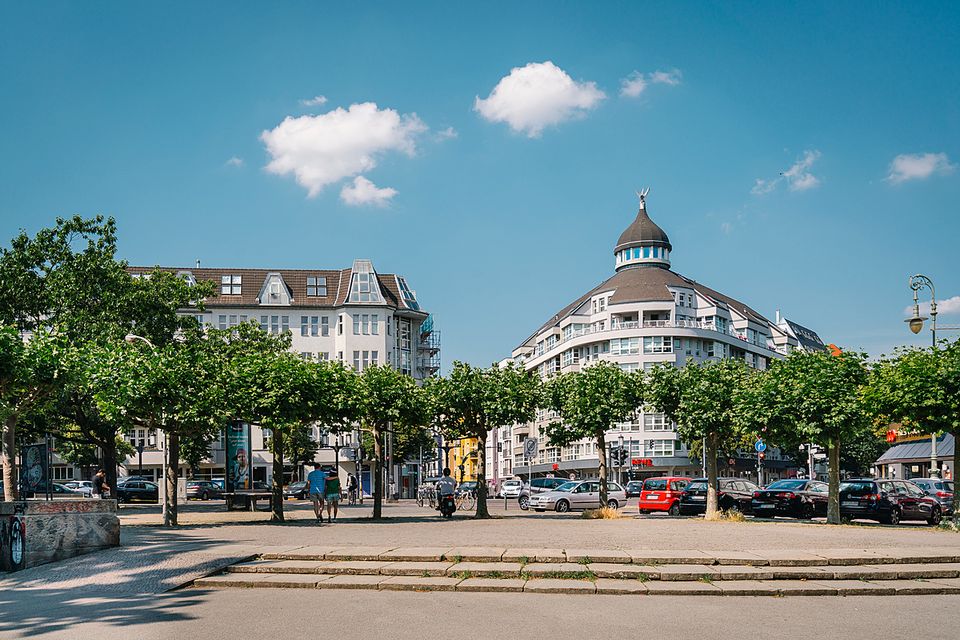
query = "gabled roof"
x=918 y=450
x=807 y=338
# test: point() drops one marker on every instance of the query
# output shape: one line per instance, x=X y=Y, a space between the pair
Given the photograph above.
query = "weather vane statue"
x=642 y=194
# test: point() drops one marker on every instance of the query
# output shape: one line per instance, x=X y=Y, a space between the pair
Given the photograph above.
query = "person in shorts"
x=316 y=486
x=333 y=495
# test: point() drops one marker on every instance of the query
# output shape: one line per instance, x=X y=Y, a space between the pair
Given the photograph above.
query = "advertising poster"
x=239 y=460
x=34 y=460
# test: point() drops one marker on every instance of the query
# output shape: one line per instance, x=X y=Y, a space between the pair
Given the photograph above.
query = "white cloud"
x=798 y=176
x=234 y=161
x=947 y=307
x=315 y=101
x=320 y=150
x=446 y=134
x=363 y=192
x=726 y=227
x=918 y=166
x=633 y=85
x=537 y=96
x=671 y=77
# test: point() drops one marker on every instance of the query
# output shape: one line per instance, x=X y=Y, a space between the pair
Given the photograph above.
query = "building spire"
x=642 y=194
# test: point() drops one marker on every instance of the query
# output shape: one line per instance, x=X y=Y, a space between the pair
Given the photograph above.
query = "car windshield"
x=790 y=485
x=512 y=483
x=567 y=487
x=655 y=485
x=698 y=485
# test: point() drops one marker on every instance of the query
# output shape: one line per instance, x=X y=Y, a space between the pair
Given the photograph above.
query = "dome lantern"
x=643 y=243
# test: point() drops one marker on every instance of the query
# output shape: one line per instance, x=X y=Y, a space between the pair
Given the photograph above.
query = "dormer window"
x=230 y=285
x=316 y=286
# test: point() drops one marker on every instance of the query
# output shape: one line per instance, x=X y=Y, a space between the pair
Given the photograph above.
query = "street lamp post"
x=131 y=338
x=620 y=461
x=915 y=322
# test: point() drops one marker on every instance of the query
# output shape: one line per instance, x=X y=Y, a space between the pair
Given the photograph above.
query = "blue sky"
x=498 y=183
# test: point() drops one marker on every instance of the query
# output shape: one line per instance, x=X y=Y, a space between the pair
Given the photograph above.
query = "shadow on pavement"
x=36 y=612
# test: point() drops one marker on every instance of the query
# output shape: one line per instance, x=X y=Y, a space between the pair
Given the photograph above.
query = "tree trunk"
x=833 y=491
x=482 y=476
x=9 y=457
x=110 y=465
x=173 y=472
x=710 y=453
x=276 y=502
x=377 y=475
x=602 y=454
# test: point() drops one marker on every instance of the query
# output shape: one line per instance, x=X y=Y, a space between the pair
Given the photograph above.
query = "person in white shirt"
x=446 y=486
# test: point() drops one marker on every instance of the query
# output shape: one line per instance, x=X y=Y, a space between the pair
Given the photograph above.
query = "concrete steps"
x=646 y=572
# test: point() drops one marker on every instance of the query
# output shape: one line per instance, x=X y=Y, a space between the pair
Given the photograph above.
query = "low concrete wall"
x=35 y=532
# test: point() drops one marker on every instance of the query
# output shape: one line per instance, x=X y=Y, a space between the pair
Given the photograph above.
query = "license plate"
x=698 y=498
x=850 y=503
x=653 y=496
x=764 y=506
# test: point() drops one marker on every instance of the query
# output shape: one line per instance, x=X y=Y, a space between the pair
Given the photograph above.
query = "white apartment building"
x=643 y=315
x=355 y=315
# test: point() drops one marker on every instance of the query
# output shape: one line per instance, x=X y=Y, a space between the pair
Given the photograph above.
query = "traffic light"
x=622 y=456
x=762 y=455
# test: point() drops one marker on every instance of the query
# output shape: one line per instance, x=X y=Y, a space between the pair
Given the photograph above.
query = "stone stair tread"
x=416 y=554
x=357 y=553
x=415 y=583
x=491 y=584
x=416 y=568
x=485 y=568
x=477 y=554
x=555 y=585
x=597 y=555
x=612 y=570
x=621 y=587
x=540 y=568
x=675 y=572
x=351 y=581
x=680 y=556
x=534 y=555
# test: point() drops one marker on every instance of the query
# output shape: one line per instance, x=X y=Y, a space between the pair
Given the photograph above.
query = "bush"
x=604 y=513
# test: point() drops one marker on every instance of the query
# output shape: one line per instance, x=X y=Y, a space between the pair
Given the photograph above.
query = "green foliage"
x=471 y=401
x=590 y=402
x=706 y=403
x=813 y=397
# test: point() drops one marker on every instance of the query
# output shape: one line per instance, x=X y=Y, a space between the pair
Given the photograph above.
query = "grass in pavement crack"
x=524 y=561
x=584 y=560
x=567 y=575
x=706 y=578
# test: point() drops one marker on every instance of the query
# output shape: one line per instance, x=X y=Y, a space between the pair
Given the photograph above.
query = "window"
x=356 y=324
x=409 y=297
x=625 y=346
x=365 y=361
x=599 y=305
x=374 y=357
x=230 y=285
x=316 y=286
x=306 y=355
x=657 y=344
x=356 y=360
x=660 y=447
x=340 y=326
x=324 y=326
x=375 y=324
x=656 y=422
x=304 y=326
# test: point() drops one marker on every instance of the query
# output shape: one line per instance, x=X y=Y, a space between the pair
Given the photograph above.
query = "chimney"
x=778 y=310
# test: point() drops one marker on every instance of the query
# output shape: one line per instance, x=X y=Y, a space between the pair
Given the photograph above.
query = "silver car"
x=578 y=494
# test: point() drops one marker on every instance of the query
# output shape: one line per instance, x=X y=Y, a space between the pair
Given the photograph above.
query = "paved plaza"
x=145 y=588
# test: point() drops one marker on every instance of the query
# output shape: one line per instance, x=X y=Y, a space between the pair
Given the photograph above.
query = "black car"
x=733 y=493
x=793 y=498
x=634 y=488
x=125 y=479
x=295 y=490
x=138 y=491
x=203 y=490
x=939 y=489
x=887 y=501
x=537 y=485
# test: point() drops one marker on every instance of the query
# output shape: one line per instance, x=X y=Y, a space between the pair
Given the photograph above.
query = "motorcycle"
x=447 y=506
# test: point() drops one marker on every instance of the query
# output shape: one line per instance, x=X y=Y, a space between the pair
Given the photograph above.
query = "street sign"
x=760 y=446
x=530 y=448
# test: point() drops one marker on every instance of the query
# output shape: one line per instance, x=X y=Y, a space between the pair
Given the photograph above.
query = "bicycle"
x=352 y=496
x=466 y=501
x=426 y=494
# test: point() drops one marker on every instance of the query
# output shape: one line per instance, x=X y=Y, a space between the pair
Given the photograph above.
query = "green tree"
x=590 y=402
x=278 y=390
x=471 y=401
x=29 y=373
x=919 y=388
x=813 y=397
x=387 y=400
x=703 y=399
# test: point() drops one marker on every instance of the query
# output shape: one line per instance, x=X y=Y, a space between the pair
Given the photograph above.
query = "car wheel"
x=563 y=506
x=892 y=518
x=524 y=502
x=935 y=517
x=806 y=511
x=642 y=511
x=674 y=509
x=613 y=504
x=204 y=496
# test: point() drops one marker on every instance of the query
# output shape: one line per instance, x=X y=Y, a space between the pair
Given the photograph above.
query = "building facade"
x=645 y=314
x=356 y=315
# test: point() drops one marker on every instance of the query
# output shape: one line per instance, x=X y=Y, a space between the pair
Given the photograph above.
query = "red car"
x=662 y=494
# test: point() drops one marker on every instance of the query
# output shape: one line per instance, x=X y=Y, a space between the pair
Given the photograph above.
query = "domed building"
x=643 y=315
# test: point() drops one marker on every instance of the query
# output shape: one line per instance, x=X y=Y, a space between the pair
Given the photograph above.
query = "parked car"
x=537 y=485
x=510 y=489
x=662 y=494
x=260 y=485
x=57 y=490
x=733 y=493
x=793 y=498
x=295 y=491
x=138 y=491
x=82 y=486
x=203 y=490
x=467 y=487
x=887 y=501
x=634 y=488
x=578 y=494
x=939 y=489
x=125 y=479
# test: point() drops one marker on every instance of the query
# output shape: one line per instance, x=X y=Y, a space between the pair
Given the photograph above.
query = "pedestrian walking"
x=352 y=488
x=333 y=495
x=316 y=486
